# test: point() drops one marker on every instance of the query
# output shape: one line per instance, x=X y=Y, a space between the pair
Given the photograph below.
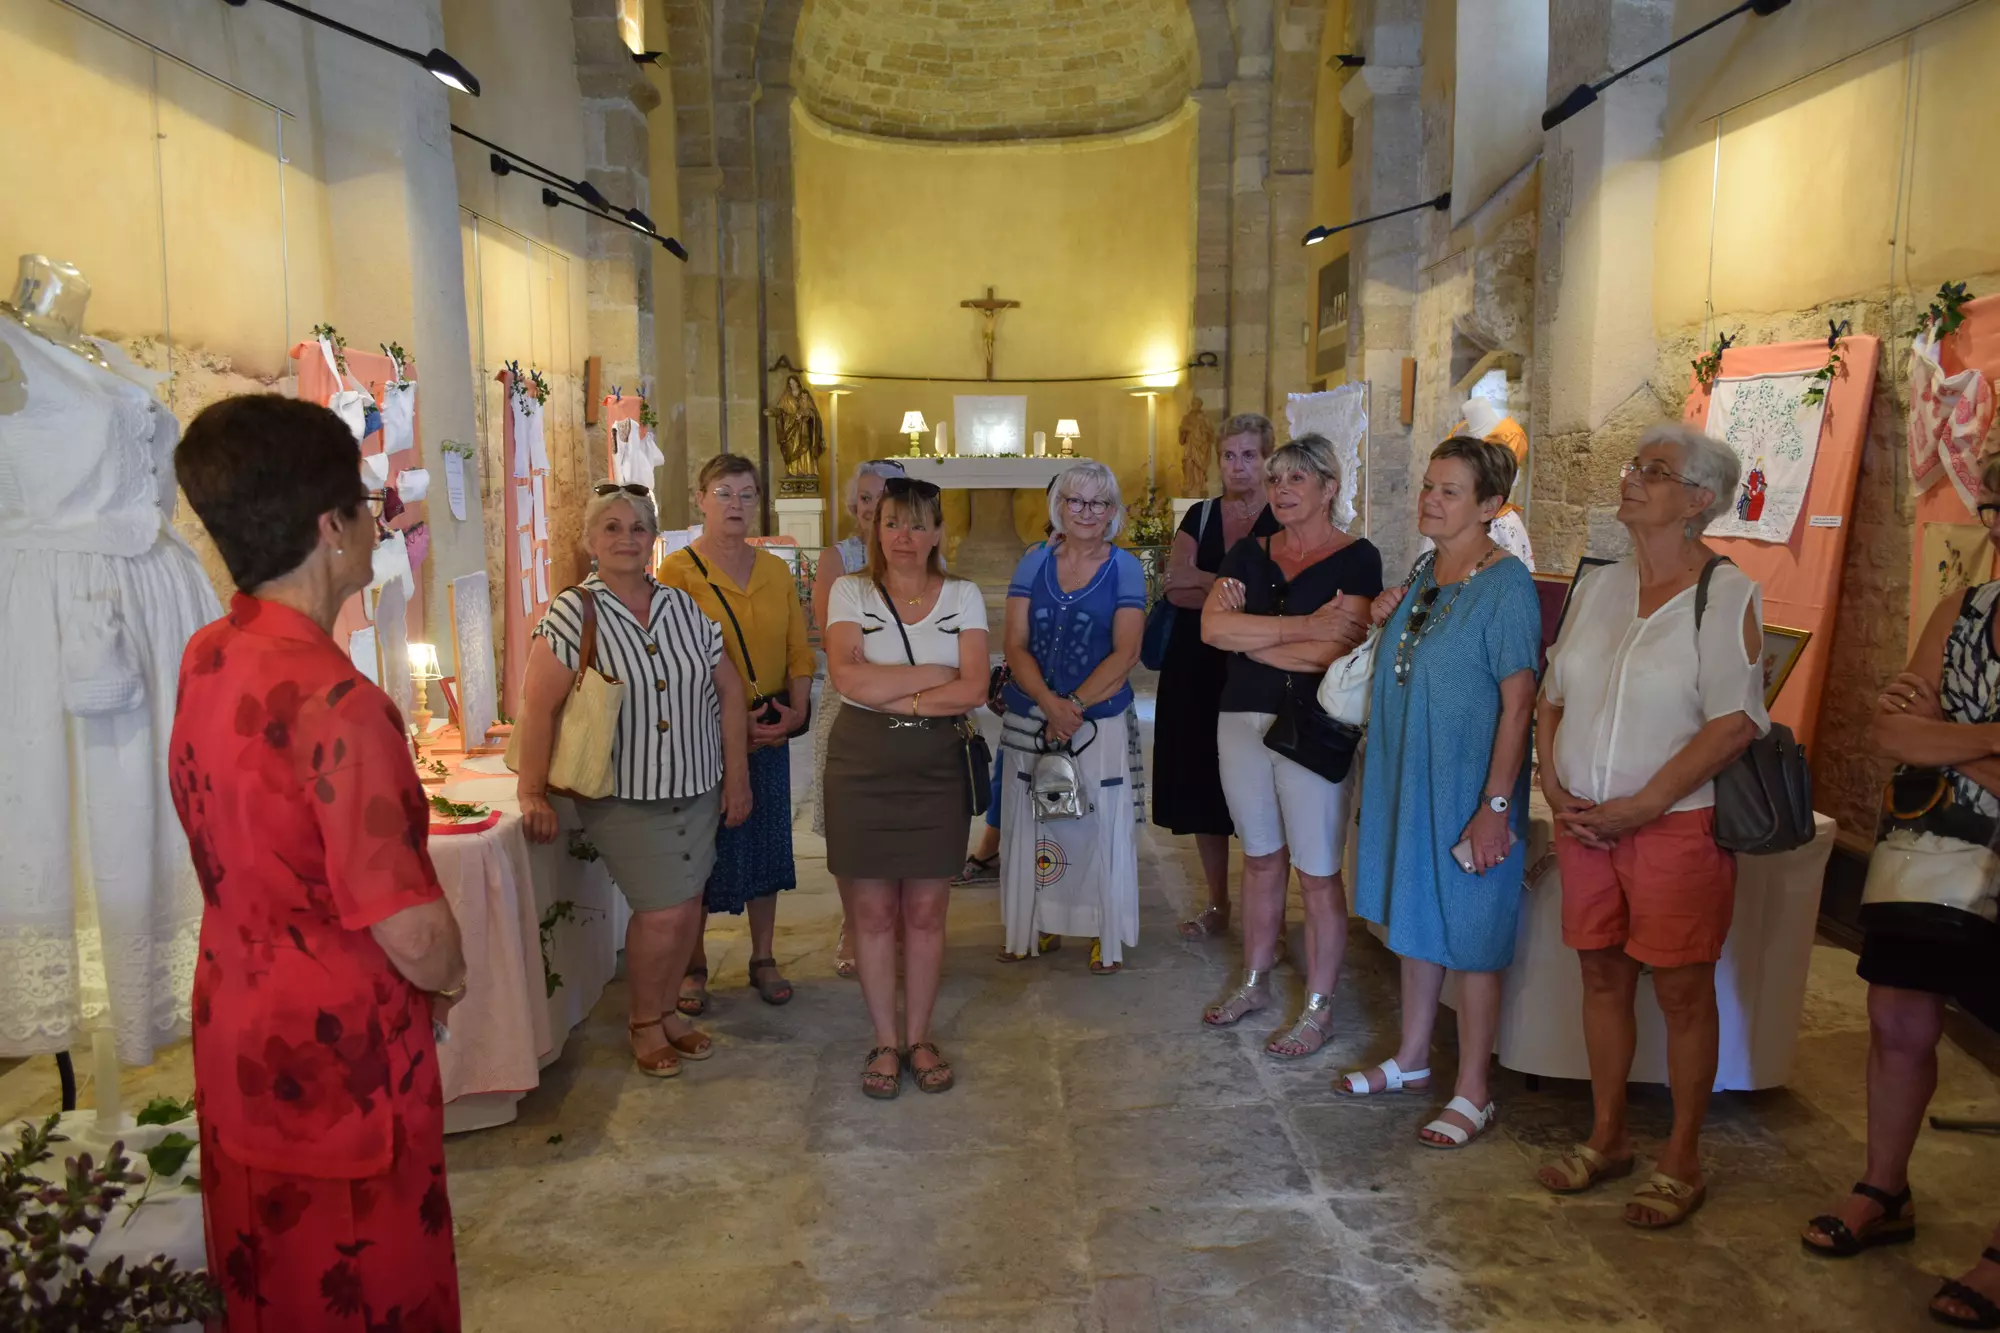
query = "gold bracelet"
x=455 y=994
x=916 y=704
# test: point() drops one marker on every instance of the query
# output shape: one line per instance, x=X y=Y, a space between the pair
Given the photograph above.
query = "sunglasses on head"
x=613 y=487
x=902 y=486
x=886 y=462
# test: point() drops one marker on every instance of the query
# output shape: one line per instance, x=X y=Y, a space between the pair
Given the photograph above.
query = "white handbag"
x=583 y=751
x=1345 y=690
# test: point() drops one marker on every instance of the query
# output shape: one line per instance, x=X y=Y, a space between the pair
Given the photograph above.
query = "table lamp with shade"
x=914 y=425
x=423 y=670
x=1067 y=432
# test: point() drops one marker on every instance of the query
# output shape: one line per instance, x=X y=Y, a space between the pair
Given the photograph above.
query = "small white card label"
x=1823 y=521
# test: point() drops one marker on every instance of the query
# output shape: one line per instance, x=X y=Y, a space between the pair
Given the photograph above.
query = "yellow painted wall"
x=1093 y=236
x=1793 y=200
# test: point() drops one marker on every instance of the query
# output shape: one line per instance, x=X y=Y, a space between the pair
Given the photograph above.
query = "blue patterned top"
x=1070 y=632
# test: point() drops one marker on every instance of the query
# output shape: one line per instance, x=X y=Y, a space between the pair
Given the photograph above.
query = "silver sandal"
x=1240 y=1003
x=1318 y=1007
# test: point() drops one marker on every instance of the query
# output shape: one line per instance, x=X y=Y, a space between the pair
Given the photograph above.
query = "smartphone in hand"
x=1462 y=853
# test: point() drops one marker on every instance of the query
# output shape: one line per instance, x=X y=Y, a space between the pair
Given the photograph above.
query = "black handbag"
x=1763 y=801
x=975 y=755
x=1159 y=632
x=1302 y=732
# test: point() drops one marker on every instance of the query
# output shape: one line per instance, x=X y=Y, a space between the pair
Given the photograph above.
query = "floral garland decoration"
x=328 y=333
x=1706 y=368
x=455 y=447
x=1945 y=314
x=1836 y=365
x=648 y=417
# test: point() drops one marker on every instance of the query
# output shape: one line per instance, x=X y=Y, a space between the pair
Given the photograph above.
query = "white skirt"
x=1075 y=877
x=100 y=911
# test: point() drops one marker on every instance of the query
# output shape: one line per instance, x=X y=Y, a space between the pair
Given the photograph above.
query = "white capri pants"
x=1278 y=804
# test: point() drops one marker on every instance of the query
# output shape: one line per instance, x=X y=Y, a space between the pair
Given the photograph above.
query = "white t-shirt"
x=933 y=640
x=1635 y=691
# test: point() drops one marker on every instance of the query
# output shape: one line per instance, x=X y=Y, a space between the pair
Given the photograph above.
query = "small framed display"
x=1783 y=647
x=449 y=688
x=1555 y=592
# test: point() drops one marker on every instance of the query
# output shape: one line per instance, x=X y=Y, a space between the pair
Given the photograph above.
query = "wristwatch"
x=1499 y=805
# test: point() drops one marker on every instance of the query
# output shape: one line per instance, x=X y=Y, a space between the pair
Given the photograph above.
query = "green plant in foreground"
x=46 y=1287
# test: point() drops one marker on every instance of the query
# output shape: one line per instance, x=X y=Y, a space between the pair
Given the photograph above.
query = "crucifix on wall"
x=989 y=309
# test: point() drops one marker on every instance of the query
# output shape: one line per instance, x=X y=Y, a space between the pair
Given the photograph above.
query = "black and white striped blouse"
x=670 y=726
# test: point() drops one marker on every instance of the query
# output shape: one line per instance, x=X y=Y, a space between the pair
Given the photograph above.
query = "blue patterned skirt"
x=755 y=859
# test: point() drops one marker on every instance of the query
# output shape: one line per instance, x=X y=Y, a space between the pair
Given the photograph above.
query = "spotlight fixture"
x=1318 y=234
x=1347 y=60
x=438 y=64
x=550 y=199
x=1584 y=94
x=647 y=57
x=635 y=217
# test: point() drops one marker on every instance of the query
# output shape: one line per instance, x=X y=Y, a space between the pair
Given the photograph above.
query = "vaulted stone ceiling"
x=994 y=69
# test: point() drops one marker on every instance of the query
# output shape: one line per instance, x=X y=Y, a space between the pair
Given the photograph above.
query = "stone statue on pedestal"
x=801 y=434
x=1197 y=447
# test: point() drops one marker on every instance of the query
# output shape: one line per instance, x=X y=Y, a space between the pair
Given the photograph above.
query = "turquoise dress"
x=1429 y=744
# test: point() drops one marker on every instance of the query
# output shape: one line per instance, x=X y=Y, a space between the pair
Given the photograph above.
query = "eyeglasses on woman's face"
x=1654 y=472
x=1989 y=512
x=734 y=495
x=1088 y=506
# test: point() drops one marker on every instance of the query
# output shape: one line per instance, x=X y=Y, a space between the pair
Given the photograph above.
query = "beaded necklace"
x=1428 y=615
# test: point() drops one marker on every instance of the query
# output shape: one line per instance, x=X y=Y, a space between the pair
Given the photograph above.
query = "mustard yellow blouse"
x=769 y=610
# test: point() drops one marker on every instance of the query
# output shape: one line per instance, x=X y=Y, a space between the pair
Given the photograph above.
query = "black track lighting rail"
x=1584 y=94
x=504 y=161
x=438 y=64
x=1318 y=234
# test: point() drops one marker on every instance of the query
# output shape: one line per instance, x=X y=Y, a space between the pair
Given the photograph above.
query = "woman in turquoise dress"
x=1444 y=789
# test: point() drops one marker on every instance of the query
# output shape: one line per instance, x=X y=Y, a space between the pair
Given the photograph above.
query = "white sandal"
x=1394 y=1079
x=1481 y=1120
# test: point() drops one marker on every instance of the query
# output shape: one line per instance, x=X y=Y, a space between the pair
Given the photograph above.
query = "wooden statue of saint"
x=1197 y=447
x=801 y=434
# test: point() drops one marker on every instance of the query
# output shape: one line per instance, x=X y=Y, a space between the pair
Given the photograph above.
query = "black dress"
x=1187 y=779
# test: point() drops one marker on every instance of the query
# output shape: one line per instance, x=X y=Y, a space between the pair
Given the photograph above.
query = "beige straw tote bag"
x=580 y=762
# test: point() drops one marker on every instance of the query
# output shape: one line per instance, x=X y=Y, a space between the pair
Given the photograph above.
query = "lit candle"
x=1041 y=444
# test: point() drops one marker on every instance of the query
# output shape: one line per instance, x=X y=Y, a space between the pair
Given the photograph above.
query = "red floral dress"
x=316 y=1079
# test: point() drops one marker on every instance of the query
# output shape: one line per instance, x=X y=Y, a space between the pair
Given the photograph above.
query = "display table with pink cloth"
x=501 y=887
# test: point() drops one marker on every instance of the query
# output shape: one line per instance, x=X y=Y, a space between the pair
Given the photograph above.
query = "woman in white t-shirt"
x=906 y=648
x=1654 y=686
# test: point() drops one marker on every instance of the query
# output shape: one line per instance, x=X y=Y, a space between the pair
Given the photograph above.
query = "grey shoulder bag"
x=1763 y=801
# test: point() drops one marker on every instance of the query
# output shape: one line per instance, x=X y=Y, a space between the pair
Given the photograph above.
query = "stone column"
x=1294 y=86
x=1250 y=209
x=1383 y=99
x=1214 y=194
x=1595 y=345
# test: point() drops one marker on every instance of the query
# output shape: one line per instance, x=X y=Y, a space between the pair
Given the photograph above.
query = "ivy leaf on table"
x=165 y=1111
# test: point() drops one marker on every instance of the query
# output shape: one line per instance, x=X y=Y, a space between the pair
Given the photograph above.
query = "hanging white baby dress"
x=99 y=906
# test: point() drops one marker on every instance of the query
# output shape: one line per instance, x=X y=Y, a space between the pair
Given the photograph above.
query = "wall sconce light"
x=438 y=64
x=1318 y=234
x=1067 y=432
x=1584 y=94
x=914 y=426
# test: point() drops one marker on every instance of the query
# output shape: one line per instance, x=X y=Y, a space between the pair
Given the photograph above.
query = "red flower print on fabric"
x=268 y=724
x=340 y=1287
x=302 y=1088
x=279 y=1210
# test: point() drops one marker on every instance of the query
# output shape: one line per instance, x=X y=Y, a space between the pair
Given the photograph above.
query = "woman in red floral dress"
x=326 y=943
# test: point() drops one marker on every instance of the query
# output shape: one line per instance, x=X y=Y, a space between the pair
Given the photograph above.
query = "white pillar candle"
x=938 y=445
x=1041 y=444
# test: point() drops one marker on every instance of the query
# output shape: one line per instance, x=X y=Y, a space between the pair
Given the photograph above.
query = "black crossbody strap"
x=749 y=664
x=901 y=633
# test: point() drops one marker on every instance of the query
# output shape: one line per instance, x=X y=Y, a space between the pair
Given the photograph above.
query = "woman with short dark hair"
x=1444 y=796
x=326 y=946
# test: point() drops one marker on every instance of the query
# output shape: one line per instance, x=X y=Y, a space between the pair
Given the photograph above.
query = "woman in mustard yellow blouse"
x=750 y=595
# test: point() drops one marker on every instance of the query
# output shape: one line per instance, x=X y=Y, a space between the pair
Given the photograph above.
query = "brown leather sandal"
x=777 y=990
x=694 y=1003
x=693 y=1045
x=938 y=1078
x=882 y=1087
x=663 y=1063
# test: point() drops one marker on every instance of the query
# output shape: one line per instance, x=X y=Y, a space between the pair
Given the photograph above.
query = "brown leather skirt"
x=896 y=805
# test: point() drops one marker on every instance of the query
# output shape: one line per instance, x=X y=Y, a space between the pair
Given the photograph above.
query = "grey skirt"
x=896 y=804
x=659 y=852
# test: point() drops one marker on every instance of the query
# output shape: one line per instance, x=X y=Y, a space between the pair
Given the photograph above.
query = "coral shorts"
x=1664 y=892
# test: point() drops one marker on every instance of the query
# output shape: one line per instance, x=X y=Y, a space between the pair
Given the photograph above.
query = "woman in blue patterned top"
x=1075 y=613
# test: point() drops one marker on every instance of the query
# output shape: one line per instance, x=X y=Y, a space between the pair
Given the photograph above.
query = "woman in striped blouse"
x=681 y=755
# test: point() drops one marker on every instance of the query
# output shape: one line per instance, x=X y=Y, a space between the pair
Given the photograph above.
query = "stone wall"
x=937 y=69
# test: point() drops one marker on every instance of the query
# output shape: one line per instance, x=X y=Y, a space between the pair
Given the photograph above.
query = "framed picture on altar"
x=1783 y=647
x=990 y=424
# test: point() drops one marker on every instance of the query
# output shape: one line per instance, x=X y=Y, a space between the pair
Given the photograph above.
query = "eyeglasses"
x=886 y=462
x=1988 y=512
x=724 y=496
x=1076 y=504
x=629 y=487
x=1654 y=472
x=905 y=486
x=1423 y=609
x=377 y=504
